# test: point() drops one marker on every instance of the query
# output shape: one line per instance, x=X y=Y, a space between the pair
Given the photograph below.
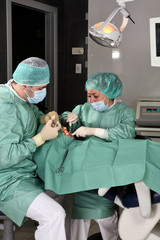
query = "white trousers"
x=108 y=228
x=50 y=216
x=61 y=199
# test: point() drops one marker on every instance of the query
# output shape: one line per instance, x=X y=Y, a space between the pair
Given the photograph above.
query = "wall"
x=134 y=65
x=3 y=42
x=72 y=30
x=71 y=91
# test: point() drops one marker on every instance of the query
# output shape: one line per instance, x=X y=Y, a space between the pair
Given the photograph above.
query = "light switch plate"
x=78 y=68
x=77 y=51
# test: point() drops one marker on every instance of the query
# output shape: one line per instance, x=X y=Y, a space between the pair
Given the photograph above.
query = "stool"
x=8 y=233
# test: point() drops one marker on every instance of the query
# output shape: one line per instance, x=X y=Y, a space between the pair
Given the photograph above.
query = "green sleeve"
x=76 y=110
x=63 y=117
x=38 y=114
x=126 y=126
x=14 y=146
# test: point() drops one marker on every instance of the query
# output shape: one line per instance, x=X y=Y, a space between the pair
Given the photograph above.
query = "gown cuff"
x=39 y=140
x=101 y=133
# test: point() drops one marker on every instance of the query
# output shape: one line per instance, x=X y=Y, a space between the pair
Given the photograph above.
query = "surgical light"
x=106 y=33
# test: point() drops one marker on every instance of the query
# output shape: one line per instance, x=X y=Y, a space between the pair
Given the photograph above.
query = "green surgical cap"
x=32 y=71
x=105 y=82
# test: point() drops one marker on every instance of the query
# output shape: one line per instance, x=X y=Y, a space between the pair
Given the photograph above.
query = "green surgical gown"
x=73 y=165
x=18 y=183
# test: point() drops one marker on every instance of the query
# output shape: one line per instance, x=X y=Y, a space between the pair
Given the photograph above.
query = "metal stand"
x=8 y=233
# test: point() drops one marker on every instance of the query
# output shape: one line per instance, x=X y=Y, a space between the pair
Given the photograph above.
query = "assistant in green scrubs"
x=92 y=162
x=67 y=165
x=110 y=121
x=74 y=165
x=107 y=156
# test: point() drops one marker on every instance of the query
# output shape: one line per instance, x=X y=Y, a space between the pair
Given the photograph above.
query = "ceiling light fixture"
x=106 y=33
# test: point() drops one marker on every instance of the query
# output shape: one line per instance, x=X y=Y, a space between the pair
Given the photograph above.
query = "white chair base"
x=132 y=226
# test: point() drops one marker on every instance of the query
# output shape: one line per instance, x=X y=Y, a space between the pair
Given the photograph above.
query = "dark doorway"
x=28 y=36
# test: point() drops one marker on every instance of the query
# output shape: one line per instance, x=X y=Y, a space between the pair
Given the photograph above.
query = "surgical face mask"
x=38 y=96
x=100 y=106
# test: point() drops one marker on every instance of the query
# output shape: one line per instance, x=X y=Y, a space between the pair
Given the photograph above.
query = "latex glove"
x=84 y=131
x=87 y=131
x=72 y=117
x=47 y=133
x=53 y=115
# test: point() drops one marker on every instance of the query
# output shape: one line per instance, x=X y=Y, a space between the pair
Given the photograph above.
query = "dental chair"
x=139 y=219
x=8 y=232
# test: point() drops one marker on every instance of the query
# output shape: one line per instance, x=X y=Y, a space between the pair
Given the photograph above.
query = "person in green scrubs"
x=110 y=120
x=73 y=165
x=22 y=193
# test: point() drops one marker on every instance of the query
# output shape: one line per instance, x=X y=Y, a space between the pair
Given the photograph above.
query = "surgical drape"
x=90 y=163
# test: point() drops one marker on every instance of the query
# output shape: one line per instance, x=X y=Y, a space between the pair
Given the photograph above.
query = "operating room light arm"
x=126 y=14
x=122 y=10
x=110 y=17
